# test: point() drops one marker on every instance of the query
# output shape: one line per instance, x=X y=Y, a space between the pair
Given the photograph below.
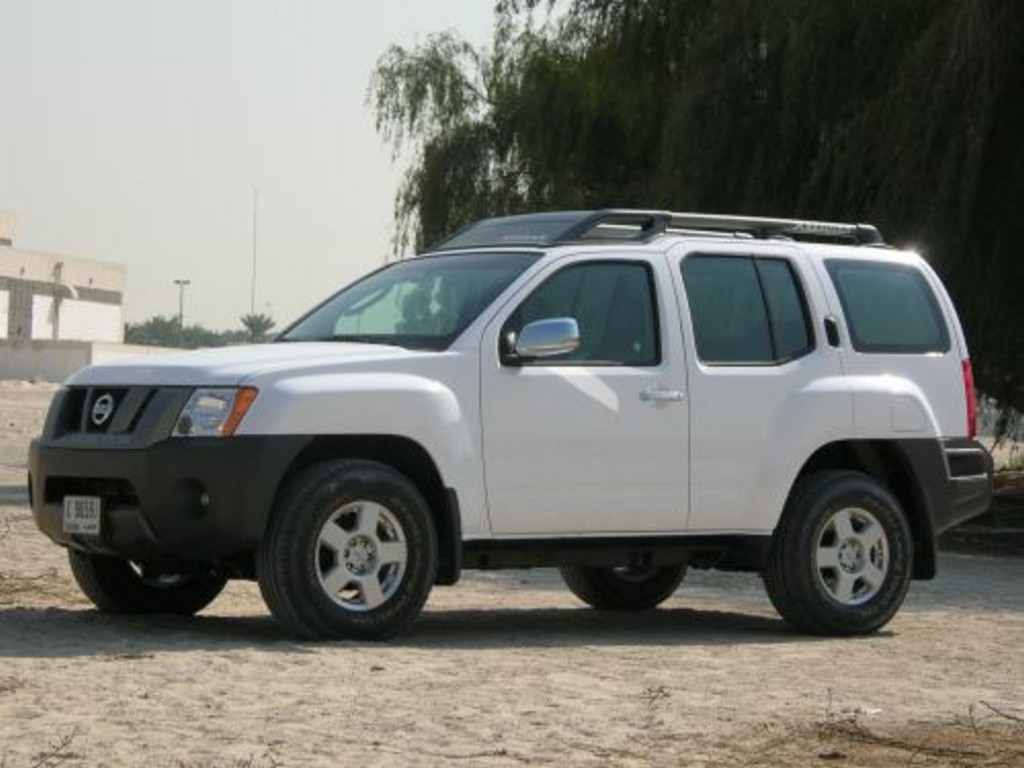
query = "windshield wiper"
x=355 y=338
x=363 y=338
x=403 y=342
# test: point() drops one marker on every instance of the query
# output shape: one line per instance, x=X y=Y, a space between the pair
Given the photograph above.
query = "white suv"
x=619 y=394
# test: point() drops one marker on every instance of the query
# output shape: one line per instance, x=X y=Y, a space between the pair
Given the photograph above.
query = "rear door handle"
x=832 y=331
x=655 y=395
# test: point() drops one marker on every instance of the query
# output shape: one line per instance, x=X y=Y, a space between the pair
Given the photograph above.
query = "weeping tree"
x=441 y=102
x=901 y=112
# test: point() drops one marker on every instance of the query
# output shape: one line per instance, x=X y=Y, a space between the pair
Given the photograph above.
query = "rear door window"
x=787 y=314
x=746 y=310
x=889 y=308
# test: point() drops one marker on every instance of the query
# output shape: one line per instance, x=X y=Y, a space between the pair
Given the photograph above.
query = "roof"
x=625 y=225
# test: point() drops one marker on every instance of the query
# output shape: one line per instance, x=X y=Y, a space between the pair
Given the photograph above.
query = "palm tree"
x=258 y=325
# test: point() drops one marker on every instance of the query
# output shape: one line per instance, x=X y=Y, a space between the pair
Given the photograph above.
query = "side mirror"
x=548 y=338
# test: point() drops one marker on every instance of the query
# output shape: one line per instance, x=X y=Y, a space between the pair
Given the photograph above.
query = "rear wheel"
x=120 y=586
x=625 y=588
x=351 y=552
x=841 y=558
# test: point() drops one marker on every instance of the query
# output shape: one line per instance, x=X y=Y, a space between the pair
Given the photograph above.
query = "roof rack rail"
x=762 y=228
x=619 y=224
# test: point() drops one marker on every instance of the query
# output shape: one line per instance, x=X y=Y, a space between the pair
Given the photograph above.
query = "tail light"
x=972 y=400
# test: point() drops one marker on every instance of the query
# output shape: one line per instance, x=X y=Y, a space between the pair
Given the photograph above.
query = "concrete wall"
x=5 y=299
x=56 y=360
x=50 y=268
x=55 y=297
x=60 y=318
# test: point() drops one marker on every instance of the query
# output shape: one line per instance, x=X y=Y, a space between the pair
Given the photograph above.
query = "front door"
x=596 y=440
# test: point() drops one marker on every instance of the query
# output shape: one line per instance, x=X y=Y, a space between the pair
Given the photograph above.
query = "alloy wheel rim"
x=852 y=556
x=361 y=555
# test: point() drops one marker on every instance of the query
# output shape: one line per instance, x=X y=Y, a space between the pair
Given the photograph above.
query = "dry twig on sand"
x=971 y=742
x=14 y=585
x=58 y=752
x=266 y=761
x=1001 y=713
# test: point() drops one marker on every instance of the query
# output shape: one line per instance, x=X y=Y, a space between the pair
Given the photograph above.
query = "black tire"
x=826 y=582
x=317 y=566
x=623 y=589
x=118 y=586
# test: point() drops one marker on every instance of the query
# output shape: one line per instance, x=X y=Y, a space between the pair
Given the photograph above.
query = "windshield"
x=422 y=303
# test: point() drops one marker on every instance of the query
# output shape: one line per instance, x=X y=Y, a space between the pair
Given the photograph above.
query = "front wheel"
x=626 y=588
x=841 y=558
x=119 y=586
x=351 y=552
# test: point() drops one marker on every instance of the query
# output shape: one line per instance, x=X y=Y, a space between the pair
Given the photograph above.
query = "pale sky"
x=134 y=131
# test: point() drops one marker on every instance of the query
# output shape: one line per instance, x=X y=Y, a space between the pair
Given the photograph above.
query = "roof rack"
x=615 y=224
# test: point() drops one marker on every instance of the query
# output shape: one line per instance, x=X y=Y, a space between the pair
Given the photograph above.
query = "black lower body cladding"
x=180 y=499
x=955 y=478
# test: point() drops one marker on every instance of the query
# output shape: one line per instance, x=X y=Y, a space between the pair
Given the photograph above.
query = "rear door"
x=766 y=388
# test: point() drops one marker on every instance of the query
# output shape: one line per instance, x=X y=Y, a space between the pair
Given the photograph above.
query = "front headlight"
x=214 y=412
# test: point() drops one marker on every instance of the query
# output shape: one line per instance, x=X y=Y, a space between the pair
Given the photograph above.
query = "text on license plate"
x=82 y=514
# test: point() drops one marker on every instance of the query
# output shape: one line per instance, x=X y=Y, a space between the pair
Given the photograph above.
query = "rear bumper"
x=953 y=478
x=193 y=499
x=969 y=474
x=950 y=481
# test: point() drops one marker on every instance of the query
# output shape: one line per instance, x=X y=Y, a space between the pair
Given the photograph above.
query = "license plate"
x=82 y=515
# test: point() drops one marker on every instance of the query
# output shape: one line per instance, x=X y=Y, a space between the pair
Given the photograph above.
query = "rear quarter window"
x=889 y=308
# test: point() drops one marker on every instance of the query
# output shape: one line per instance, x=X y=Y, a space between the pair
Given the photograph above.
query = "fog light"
x=192 y=498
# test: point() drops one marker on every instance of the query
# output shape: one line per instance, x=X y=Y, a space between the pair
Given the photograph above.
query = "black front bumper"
x=177 y=499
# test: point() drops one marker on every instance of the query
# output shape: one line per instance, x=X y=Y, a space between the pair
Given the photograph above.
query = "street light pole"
x=255 y=242
x=181 y=309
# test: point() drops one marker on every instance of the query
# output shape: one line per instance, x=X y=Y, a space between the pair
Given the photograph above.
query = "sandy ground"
x=502 y=669
x=22 y=412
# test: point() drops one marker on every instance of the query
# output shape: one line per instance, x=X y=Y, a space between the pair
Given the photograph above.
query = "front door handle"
x=655 y=395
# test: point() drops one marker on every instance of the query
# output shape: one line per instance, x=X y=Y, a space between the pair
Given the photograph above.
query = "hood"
x=230 y=366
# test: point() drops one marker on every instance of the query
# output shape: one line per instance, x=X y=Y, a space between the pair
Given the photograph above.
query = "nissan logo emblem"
x=102 y=409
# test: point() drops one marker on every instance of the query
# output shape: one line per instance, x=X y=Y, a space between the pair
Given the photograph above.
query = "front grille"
x=71 y=409
x=102 y=410
x=101 y=406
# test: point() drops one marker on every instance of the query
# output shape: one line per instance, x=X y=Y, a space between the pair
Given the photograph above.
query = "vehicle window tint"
x=730 y=322
x=786 y=310
x=745 y=310
x=888 y=307
x=613 y=304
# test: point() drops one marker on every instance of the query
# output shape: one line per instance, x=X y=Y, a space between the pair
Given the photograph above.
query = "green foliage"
x=258 y=326
x=904 y=113
x=161 y=331
x=439 y=97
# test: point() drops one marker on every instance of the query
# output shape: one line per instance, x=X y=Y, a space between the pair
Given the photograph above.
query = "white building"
x=54 y=298
x=58 y=314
